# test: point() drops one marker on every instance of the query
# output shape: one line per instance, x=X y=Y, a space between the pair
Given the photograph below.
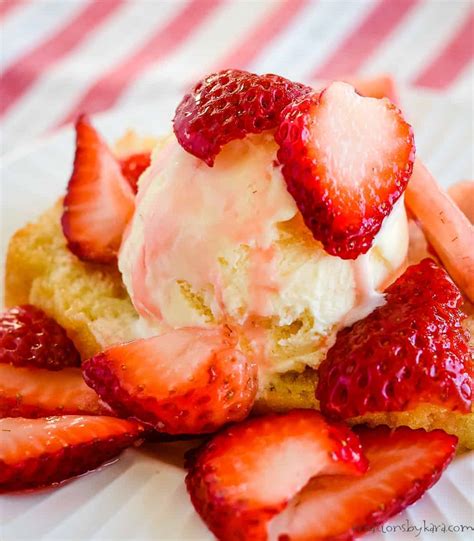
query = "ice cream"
x=227 y=245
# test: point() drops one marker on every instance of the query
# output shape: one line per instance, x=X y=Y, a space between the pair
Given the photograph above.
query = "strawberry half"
x=39 y=452
x=229 y=105
x=346 y=161
x=28 y=337
x=247 y=474
x=36 y=392
x=403 y=465
x=411 y=350
x=133 y=166
x=99 y=200
x=188 y=381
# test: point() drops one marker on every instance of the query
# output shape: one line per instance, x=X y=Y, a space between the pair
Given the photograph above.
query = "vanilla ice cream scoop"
x=227 y=245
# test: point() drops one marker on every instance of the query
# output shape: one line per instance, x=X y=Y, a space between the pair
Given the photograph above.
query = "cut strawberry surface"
x=410 y=351
x=28 y=337
x=36 y=392
x=346 y=161
x=249 y=472
x=133 y=166
x=187 y=381
x=40 y=452
x=99 y=200
x=403 y=465
x=229 y=105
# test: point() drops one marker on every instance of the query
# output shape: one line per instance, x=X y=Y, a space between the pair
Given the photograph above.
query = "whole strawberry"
x=346 y=161
x=409 y=351
x=28 y=337
x=229 y=105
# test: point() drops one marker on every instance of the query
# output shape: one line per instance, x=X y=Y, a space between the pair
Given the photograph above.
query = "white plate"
x=142 y=496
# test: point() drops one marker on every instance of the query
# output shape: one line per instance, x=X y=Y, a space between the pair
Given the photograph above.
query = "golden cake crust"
x=91 y=302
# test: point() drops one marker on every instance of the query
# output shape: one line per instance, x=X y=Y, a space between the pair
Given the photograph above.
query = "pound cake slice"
x=90 y=301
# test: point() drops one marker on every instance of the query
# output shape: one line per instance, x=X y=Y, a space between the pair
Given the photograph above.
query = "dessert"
x=259 y=258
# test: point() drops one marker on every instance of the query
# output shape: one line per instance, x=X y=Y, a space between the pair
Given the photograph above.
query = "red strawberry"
x=403 y=465
x=247 y=474
x=411 y=350
x=187 y=381
x=133 y=166
x=229 y=105
x=99 y=200
x=28 y=337
x=346 y=161
x=39 y=452
x=35 y=392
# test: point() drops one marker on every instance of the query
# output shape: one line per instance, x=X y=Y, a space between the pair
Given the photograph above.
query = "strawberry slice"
x=188 y=381
x=403 y=465
x=346 y=161
x=411 y=350
x=133 y=166
x=36 y=392
x=39 y=452
x=99 y=200
x=28 y=337
x=247 y=474
x=229 y=105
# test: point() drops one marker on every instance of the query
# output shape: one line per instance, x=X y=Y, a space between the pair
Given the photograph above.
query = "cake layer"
x=90 y=301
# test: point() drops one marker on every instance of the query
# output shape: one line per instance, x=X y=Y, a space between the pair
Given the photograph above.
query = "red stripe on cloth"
x=259 y=36
x=7 y=6
x=364 y=39
x=16 y=79
x=108 y=89
x=450 y=62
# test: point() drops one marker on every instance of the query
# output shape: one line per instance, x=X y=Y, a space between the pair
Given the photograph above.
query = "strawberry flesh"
x=99 y=200
x=403 y=465
x=133 y=166
x=40 y=452
x=229 y=105
x=249 y=472
x=36 y=392
x=188 y=381
x=346 y=161
x=409 y=351
x=28 y=337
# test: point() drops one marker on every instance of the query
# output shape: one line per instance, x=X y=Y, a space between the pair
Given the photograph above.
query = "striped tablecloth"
x=62 y=57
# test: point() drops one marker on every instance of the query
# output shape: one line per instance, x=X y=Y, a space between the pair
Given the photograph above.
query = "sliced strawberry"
x=248 y=473
x=446 y=228
x=403 y=465
x=35 y=392
x=133 y=166
x=229 y=105
x=39 y=452
x=99 y=200
x=346 y=161
x=411 y=350
x=187 y=381
x=28 y=337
